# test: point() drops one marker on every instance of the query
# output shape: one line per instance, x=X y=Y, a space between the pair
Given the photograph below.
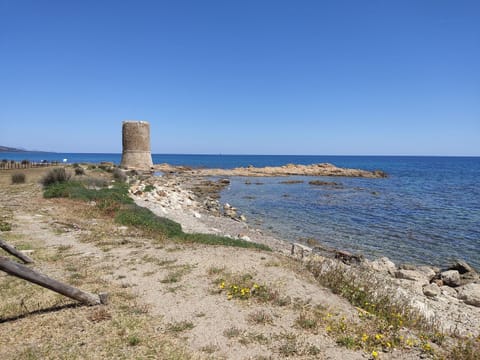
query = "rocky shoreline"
x=323 y=169
x=449 y=297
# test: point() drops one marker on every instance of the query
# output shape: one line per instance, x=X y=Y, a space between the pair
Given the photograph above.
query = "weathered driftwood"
x=11 y=250
x=24 y=272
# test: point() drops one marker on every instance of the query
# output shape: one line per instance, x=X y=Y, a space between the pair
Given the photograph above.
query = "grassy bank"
x=114 y=200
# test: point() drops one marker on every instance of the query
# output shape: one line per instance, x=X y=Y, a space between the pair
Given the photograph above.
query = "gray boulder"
x=431 y=290
x=470 y=294
x=384 y=265
x=451 y=278
x=461 y=266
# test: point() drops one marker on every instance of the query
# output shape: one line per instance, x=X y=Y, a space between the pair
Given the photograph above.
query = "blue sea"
x=426 y=212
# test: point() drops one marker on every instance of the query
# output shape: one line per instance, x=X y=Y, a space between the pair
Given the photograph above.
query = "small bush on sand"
x=18 y=178
x=119 y=175
x=57 y=175
x=5 y=226
x=79 y=170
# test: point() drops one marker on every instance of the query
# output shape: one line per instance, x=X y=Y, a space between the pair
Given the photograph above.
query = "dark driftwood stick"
x=24 y=272
x=10 y=249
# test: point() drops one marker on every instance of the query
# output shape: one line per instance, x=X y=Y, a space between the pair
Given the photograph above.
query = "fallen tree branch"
x=11 y=250
x=24 y=272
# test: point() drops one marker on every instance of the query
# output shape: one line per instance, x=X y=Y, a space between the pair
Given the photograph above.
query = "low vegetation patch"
x=18 y=178
x=180 y=326
x=5 y=226
x=244 y=287
x=54 y=176
x=385 y=322
x=79 y=170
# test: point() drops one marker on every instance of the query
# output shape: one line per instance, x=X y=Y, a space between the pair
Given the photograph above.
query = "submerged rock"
x=325 y=183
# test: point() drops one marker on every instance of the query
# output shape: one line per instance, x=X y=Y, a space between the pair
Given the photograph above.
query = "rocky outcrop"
x=323 y=169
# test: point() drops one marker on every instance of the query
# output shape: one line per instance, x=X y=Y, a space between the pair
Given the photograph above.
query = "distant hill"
x=10 y=149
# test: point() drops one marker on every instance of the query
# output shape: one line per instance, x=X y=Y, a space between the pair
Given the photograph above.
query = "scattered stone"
x=384 y=265
x=244 y=237
x=27 y=252
x=461 y=266
x=412 y=275
x=448 y=291
x=347 y=257
x=451 y=278
x=470 y=294
x=197 y=215
x=224 y=181
x=325 y=183
x=427 y=272
x=290 y=182
x=407 y=267
x=243 y=218
x=431 y=290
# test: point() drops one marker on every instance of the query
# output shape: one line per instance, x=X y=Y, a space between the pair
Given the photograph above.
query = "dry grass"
x=36 y=323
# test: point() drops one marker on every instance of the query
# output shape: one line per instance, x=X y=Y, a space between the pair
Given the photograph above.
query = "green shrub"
x=79 y=170
x=5 y=226
x=18 y=178
x=94 y=182
x=78 y=190
x=119 y=175
x=210 y=239
x=57 y=175
x=147 y=220
x=149 y=188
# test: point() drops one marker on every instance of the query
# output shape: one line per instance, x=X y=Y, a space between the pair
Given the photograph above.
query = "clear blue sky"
x=320 y=77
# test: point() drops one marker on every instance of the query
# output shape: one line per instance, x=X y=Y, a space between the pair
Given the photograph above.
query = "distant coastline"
x=6 y=149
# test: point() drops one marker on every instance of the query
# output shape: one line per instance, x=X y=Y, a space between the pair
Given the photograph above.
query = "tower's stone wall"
x=136 y=145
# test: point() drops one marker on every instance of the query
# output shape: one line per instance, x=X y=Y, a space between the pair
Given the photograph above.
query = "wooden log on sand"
x=24 y=272
x=11 y=250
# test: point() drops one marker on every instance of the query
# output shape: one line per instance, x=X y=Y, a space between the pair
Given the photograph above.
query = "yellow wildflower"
x=364 y=337
x=328 y=328
x=378 y=337
x=427 y=347
x=222 y=285
x=374 y=354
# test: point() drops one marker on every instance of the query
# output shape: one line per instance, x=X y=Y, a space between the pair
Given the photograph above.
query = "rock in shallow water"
x=461 y=266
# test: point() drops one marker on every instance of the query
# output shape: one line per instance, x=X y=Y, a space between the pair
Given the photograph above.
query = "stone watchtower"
x=136 y=145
